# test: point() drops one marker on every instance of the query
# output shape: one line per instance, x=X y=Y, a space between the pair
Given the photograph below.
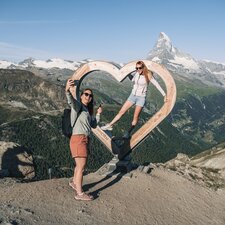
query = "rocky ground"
x=160 y=197
x=206 y=169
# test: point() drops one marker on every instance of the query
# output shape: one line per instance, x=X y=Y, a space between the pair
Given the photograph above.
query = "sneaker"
x=107 y=127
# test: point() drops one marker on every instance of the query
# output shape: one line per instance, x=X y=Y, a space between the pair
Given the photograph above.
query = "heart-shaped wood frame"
x=120 y=74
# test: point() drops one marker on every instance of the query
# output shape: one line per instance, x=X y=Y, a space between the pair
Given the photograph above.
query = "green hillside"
x=42 y=135
x=31 y=109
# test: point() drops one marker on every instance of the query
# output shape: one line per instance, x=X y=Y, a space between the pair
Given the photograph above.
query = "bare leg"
x=78 y=173
x=134 y=122
x=122 y=111
x=74 y=174
x=137 y=112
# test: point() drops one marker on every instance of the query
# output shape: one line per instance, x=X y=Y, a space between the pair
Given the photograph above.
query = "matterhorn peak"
x=164 y=52
x=164 y=42
x=163 y=36
x=163 y=49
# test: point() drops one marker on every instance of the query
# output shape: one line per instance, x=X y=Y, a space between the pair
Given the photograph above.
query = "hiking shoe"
x=127 y=135
x=107 y=127
x=84 y=197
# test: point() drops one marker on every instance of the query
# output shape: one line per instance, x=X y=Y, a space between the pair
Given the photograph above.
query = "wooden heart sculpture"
x=120 y=75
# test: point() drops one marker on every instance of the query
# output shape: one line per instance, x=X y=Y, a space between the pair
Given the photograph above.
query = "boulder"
x=16 y=161
x=182 y=157
x=181 y=161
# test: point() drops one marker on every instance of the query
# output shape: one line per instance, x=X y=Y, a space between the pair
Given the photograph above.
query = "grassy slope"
x=43 y=135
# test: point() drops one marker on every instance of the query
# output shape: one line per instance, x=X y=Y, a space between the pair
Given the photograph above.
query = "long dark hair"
x=90 y=105
x=146 y=72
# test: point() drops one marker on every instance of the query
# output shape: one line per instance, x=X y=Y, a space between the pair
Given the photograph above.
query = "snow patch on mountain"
x=5 y=64
x=186 y=62
x=210 y=61
x=156 y=59
x=220 y=73
x=17 y=104
x=48 y=64
x=55 y=63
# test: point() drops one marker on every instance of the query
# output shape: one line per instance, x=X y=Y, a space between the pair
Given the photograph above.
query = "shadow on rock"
x=16 y=161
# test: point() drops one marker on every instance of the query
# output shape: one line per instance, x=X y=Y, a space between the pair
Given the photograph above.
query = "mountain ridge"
x=164 y=52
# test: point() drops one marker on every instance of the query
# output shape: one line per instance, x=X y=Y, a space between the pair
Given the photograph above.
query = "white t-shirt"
x=140 y=85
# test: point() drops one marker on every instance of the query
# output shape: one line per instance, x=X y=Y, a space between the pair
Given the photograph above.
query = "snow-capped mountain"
x=6 y=64
x=55 y=70
x=213 y=67
x=48 y=64
x=184 y=64
x=164 y=52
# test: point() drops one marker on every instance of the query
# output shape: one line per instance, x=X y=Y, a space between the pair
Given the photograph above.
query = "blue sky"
x=118 y=30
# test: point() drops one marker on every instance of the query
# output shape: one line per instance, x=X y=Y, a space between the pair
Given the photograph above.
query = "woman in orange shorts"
x=83 y=111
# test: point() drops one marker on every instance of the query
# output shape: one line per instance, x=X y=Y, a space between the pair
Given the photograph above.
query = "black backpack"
x=67 y=129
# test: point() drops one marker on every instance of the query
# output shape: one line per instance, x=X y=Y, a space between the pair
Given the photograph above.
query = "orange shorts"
x=79 y=145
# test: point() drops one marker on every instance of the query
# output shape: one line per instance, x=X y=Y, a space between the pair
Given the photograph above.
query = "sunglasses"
x=87 y=94
x=139 y=68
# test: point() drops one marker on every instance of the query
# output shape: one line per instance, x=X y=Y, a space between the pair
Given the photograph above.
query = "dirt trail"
x=162 y=197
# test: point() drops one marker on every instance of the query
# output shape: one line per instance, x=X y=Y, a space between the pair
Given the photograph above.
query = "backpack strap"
x=78 y=114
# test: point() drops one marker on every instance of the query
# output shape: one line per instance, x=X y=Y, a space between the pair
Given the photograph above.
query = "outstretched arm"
x=157 y=85
x=74 y=103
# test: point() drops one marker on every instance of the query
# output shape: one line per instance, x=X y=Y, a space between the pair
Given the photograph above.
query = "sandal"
x=84 y=197
x=72 y=185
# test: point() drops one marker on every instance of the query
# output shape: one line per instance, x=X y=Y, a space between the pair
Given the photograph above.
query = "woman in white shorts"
x=137 y=97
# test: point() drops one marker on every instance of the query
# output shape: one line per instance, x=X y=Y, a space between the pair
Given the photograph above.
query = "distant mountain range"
x=164 y=52
x=48 y=64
